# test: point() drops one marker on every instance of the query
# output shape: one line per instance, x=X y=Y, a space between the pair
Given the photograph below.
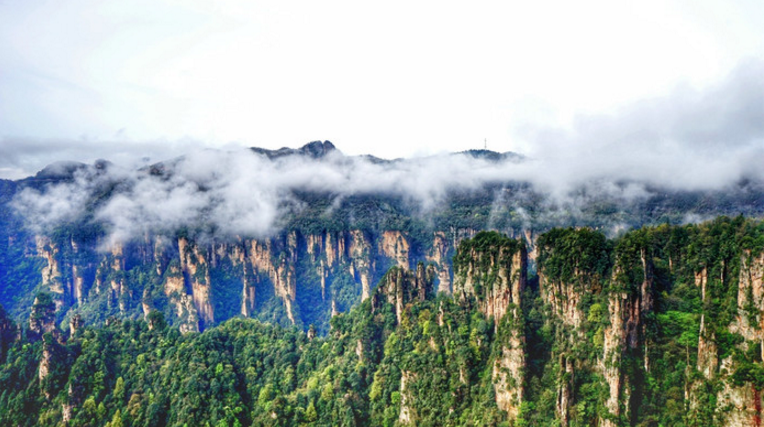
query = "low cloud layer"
x=23 y=157
x=691 y=140
x=241 y=192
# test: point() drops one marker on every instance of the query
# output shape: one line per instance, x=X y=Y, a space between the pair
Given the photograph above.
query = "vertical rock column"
x=195 y=267
x=490 y=272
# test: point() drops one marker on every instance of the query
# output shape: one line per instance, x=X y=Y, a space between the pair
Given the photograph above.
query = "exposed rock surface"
x=490 y=271
x=182 y=277
x=401 y=287
x=407 y=413
x=740 y=404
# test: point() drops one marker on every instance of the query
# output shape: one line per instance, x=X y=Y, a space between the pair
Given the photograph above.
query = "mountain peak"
x=314 y=149
x=317 y=149
x=493 y=155
x=59 y=170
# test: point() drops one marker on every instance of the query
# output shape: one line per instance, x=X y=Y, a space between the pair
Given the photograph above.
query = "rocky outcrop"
x=564 y=391
x=75 y=323
x=43 y=316
x=564 y=297
x=401 y=287
x=51 y=273
x=490 y=272
x=530 y=242
x=185 y=310
x=110 y=277
x=395 y=246
x=67 y=272
x=361 y=262
x=570 y=270
x=749 y=321
x=741 y=403
x=507 y=374
x=280 y=269
x=439 y=255
x=407 y=412
x=195 y=268
x=624 y=334
x=708 y=359
x=184 y=273
x=45 y=362
x=613 y=343
x=248 y=294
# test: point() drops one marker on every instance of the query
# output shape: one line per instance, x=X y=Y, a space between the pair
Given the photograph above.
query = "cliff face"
x=401 y=287
x=42 y=318
x=740 y=395
x=490 y=273
x=51 y=272
x=439 y=255
x=661 y=325
x=629 y=300
x=681 y=307
x=407 y=413
x=599 y=297
x=362 y=264
x=394 y=246
x=494 y=277
x=195 y=268
x=567 y=276
x=176 y=292
x=196 y=284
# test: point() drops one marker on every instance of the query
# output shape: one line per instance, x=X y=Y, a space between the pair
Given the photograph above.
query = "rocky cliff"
x=680 y=306
x=401 y=287
x=662 y=325
x=295 y=277
x=573 y=267
x=490 y=273
x=730 y=357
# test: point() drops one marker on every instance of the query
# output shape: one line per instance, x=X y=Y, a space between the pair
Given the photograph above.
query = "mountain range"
x=306 y=287
x=291 y=236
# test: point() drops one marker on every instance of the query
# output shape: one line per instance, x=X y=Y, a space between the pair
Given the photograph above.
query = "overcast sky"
x=127 y=81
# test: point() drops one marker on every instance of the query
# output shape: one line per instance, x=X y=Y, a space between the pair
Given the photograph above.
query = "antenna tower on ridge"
x=485 y=144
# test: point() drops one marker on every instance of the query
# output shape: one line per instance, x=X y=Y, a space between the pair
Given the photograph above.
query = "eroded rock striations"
x=490 y=274
x=197 y=284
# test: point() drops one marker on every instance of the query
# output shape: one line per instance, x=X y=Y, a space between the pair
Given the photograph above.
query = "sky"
x=623 y=83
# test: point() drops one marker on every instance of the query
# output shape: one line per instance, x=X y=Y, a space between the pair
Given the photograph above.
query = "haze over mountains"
x=256 y=192
x=296 y=235
x=530 y=214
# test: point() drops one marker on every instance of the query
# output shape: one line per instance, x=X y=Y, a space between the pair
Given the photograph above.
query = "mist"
x=691 y=140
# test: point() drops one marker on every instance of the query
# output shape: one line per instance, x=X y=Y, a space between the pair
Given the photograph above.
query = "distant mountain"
x=493 y=155
x=315 y=149
x=289 y=236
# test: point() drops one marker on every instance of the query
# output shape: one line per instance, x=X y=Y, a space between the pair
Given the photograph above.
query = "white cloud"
x=390 y=79
x=690 y=140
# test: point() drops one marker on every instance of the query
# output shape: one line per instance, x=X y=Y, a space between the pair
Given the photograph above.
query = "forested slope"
x=661 y=326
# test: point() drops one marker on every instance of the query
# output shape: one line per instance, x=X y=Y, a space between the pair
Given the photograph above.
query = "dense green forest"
x=658 y=327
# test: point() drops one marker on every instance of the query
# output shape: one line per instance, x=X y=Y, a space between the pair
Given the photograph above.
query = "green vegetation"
x=666 y=317
x=244 y=372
